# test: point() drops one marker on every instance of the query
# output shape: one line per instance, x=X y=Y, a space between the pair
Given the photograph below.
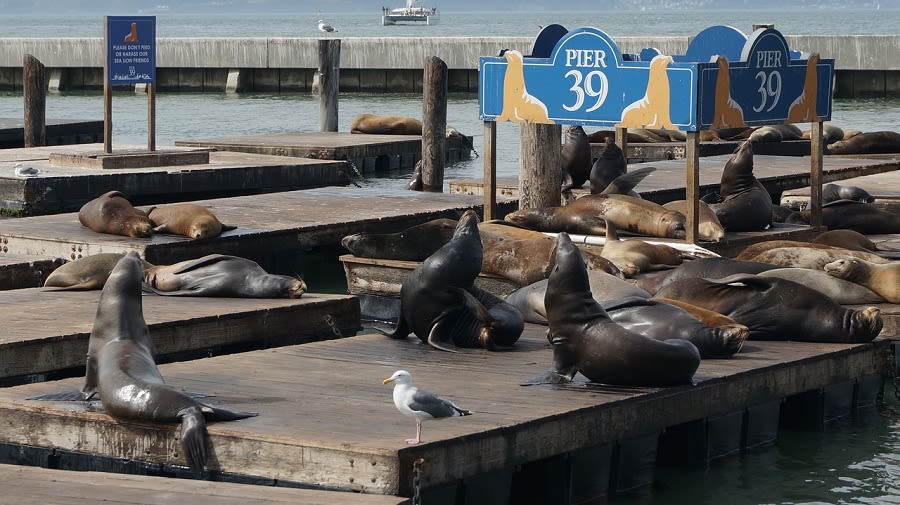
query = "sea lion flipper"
x=200 y=262
x=548 y=377
x=193 y=438
x=626 y=182
x=437 y=337
x=227 y=227
x=62 y=396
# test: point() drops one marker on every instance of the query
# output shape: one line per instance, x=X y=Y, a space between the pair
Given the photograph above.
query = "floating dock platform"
x=19 y=271
x=885 y=187
x=46 y=331
x=57 y=132
x=327 y=421
x=642 y=152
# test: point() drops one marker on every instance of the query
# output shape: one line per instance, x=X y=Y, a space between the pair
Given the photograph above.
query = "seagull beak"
x=387 y=381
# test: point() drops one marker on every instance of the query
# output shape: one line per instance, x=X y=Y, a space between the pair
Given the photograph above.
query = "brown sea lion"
x=186 y=219
x=708 y=317
x=846 y=239
x=587 y=215
x=411 y=244
x=880 y=142
x=792 y=253
x=221 y=275
x=841 y=291
x=112 y=213
x=883 y=279
x=709 y=226
x=121 y=368
x=851 y=215
x=386 y=125
x=586 y=340
x=498 y=229
x=830 y=133
x=744 y=204
x=576 y=158
x=530 y=260
x=778 y=309
x=89 y=272
x=634 y=256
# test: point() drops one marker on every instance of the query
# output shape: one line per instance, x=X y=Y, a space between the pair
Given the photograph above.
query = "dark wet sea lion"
x=625 y=183
x=883 y=279
x=221 y=275
x=707 y=268
x=112 y=213
x=386 y=125
x=880 y=142
x=411 y=244
x=576 y=157
x=778 y=309
x=745 y=204
x=120 y=368
x=89 y=272
x=186 y=219
x=709 y=226
x=609 y=165
x=586 y=340
x=850 y=215
x=439 y=304
x=832 y=192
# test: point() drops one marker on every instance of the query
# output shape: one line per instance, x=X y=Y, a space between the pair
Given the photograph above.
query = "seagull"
x=325 y=27
x=23 y=171
x=419 y=403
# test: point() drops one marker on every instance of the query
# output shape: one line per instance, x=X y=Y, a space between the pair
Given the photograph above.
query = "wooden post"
x=622 y=141
x=692 y=186
x=329 y=76
x=434 y=124
x=35 y=102
x=489 y=185
x=540 y=171
x=107 y=94
x=815 y=173
x=151 y=117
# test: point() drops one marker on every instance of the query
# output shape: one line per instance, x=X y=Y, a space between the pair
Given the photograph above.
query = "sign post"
x=130 y=43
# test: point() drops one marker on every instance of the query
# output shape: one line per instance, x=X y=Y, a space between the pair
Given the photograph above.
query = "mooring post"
x=434 y=124
x=35 y=102
x=540 y=170
x=329 y=76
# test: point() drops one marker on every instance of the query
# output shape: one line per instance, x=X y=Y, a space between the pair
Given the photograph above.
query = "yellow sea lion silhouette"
x=727 y=112
x=652 y=111
x=803 y=110
x=518 y=105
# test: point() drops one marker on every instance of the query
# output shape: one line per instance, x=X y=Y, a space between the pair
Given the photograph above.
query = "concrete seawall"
x=866 y=65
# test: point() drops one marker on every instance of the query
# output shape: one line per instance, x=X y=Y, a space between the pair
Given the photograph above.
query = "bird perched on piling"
x=419 y=403
x=325 y=27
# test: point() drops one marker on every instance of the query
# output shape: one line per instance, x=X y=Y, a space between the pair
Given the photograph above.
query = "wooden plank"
x=326 y=419
x=274 y=230
x=41 y=486
x=18 y=271
x=131 y=158
x=46 y=330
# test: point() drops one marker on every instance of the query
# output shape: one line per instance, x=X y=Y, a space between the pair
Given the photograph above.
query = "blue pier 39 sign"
x=131 y=49
x=724 y=80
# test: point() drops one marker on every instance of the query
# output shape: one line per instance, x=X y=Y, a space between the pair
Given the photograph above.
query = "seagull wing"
x=434 y=406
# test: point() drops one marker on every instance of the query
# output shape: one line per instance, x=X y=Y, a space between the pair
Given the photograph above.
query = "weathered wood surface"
x=41 y=486
x=776 y=173
x=885 y=187
x=66 y=188
x=47 y=330
x=141 y=158
x=18 y=271
x=639 y=152
x=434 y=123
x=58 y=131
x=35 y=92
x=325 y=418
x=274 y=229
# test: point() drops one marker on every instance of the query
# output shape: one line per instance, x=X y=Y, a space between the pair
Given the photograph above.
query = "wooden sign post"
x=130 y=43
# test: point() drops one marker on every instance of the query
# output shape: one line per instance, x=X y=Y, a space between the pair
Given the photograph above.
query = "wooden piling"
x=434 y=124
x=329 y=77
x=540 y=166
x=35 y=102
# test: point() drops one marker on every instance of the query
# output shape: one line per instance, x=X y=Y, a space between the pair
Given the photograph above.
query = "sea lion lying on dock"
x=221 y=275
x=186 y=219
x=87 y=273
x=112 y=213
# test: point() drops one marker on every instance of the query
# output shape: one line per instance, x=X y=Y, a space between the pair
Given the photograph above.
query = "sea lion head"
x=671 y=225
x=842 y=268
x=295 y=287
x=864 y=324
x=205 y=228
x=138 y=226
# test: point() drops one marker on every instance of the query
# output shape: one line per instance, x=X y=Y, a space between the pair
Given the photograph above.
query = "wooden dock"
x=642 y=152
x=325 y=419
x=41 y=486
x=18 y=271
x=46 y=331
x=885 y=187
x=58 y=132
x=65 y=188
x=776 y=173
x=275 y=230
x=369 y=153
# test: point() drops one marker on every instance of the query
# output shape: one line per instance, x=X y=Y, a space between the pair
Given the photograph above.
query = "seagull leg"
x=418 y=439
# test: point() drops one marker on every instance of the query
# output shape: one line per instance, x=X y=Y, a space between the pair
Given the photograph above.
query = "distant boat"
x=414 y=12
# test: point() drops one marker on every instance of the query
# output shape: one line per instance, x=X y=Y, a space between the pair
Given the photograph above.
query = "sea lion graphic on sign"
x=727 y=112
x=803 y=109
x=518 y=104
x=651 y=111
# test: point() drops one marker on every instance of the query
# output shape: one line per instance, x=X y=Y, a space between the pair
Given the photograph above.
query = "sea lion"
x=850 y=215
x=415 y=181
x=386 y=125
x=745 y=204
x=609 y=165
x=635 y=255
x=439 y=303
x=846 y=239
x=708 y=227
x=127 y=379
x=708 y=317
x=89 y=272
x=112 y=213
x=633 y=135
x=778 y=309
x=883 y=279
x=518 y=104
x=411 y=244
x=529 y=260
x=576 y=157
x=587 y=216
x=221 y=275
x=775 y=133
x=186 y=219
x=832 y=192
x=880 y=142
x=498 y=229
x=707 y=268
x=792 y=253
x=831 y=133
x=586 y=340
x=652 y=111
x=841 y=291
